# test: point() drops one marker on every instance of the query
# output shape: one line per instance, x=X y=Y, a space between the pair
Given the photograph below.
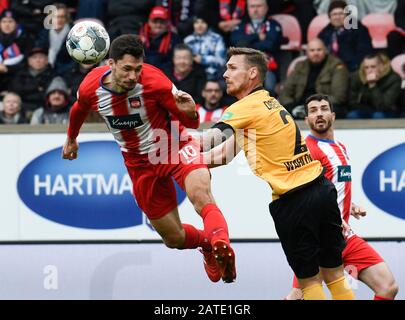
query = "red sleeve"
x=78 y=113
x=168 y=102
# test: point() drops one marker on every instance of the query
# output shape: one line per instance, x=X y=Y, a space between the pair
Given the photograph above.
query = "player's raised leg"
x=176 y=235
x=198 y=187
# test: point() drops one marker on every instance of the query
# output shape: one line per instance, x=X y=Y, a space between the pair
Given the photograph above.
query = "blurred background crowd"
x=352 y=50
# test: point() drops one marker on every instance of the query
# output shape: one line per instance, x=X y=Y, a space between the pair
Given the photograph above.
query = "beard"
x=322 y=129
x=127 y=86
x=232 y=91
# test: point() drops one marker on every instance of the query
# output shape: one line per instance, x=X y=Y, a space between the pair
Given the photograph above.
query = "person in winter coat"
x=320 y=73
x=31 y=82
x=14 y=43
x=56 y=108
x=374 y=90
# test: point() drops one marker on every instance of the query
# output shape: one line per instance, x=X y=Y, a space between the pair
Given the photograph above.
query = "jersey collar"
x=322 y=140
x=105 y=87
x=256 y=89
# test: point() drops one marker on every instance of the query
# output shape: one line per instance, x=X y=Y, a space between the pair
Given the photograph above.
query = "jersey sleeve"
x=78 y=114
x=237 y=117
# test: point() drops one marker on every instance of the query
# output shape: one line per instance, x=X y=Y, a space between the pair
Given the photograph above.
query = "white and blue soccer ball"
x=87 y=42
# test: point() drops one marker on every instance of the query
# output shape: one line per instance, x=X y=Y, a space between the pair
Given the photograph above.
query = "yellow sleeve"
x=237 y=117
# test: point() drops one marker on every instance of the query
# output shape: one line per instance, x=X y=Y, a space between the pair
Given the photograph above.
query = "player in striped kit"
x=147 y=117
x=358 y=256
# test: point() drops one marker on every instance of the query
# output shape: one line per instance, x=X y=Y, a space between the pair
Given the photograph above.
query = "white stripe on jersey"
x=143 y=132
x=335 y=162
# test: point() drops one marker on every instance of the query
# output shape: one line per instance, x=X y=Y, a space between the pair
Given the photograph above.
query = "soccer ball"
x=87 y=42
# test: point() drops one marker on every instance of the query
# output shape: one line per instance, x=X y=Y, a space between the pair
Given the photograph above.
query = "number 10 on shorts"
x=188 y=154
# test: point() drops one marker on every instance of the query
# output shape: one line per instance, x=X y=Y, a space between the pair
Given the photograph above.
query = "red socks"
x=215 y=226
x=381 y=298
x=195 y=238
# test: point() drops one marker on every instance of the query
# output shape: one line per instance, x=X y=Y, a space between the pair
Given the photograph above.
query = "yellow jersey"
x=272 y=142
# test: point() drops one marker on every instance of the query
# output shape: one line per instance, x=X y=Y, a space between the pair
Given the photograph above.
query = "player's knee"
x=393 y=289
x=388 y=290
x=174 y=241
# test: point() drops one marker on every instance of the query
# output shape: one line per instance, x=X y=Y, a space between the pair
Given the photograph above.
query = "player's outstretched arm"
x=357 y=211
x=78 y=114
x=222 y=154
x=70 y=149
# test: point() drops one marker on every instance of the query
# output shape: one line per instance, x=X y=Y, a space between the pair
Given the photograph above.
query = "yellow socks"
x=314 y=292
x=340 y=290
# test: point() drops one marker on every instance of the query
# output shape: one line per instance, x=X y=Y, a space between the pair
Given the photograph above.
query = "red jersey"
x=334 y=159
x=130 y=116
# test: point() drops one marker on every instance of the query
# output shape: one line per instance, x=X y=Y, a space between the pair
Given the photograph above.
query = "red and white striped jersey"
x=334 y=158
x=131 y=116
x=210 y=115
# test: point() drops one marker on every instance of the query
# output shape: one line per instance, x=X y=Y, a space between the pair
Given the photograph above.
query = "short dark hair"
x=182 y=46
x=336 y=4
x=64 y=7
x=377 y=56
x=126 y=44
x=253 y=57
x=317 y=97
x=213 y=81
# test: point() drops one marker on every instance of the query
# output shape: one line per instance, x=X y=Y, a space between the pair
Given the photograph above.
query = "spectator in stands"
x=208 y=48
x=303 y=10
x=4 y=5
x=350 y=45
x=222 y=16
x=54 y=40
x=13 y=45
x=74 y=77
x=92 y=9
x=56 y=108
x=319 y=73
x=181 y=15
x=186 y=74
x=127 y=16
x=212 y=108
x=31 y=13
x=374 y=89
x=262 y=33
x=396 y=38
x=158 y=38
x=11 y=113
x=231 y=12
x=363 y=8
x=30 y=83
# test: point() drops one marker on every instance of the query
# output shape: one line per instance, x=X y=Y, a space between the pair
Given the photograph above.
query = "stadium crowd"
x=337 y=51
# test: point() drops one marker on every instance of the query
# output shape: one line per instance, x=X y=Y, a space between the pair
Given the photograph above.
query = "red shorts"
x=153 y=186
x=357 y=255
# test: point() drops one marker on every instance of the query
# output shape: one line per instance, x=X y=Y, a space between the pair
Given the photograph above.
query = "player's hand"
x=347 y=230
x=357 y=211
x=186 y=104
x=70 y=149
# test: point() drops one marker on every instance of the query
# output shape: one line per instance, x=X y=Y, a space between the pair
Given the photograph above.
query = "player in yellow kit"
x=304 y=206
